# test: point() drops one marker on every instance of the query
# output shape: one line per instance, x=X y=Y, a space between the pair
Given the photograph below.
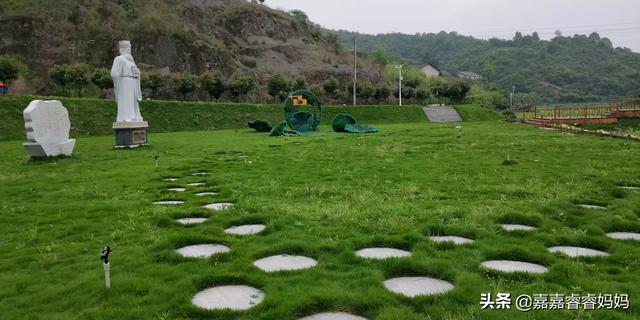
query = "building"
x=469 y=75
x=3 y=88
x=429 y=70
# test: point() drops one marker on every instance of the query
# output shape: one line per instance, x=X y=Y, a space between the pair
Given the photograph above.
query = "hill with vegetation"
x=575 y=68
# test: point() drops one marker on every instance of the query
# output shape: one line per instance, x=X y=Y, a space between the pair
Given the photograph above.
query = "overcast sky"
x=619 y=20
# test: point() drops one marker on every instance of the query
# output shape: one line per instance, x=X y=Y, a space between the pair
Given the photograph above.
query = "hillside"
x=172 y=36
x=564 y=69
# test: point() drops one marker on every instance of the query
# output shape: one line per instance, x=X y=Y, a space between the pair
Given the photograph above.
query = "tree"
x=184 y=83
x=422 y=94
x=213 y=84
x=300 y=83
x=299 y=15
x=102 y=79
x=58 y=74
x=79 y=76
x=152 y=81
x=240 y=84
x=278 y=86
x=382 y=93
x=8 y=69
x=330 y=86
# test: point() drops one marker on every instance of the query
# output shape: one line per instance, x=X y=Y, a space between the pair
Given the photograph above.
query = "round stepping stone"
x=454 y=239
x=202 y=250
x=333 y=316
x=228 y=297
x=177 y=189
x=592 y=206
x=578 y=252
x=246 y=229
x=417 y=286
x=170 y=179
x=218 y=206
x=200 y=174
x=196 y=184
x=284 y=263
x=517 y=227
x=382 y=253
x=514 y=266
x=187 y=221
x=624 y=235
x=630 y=188
x=169 y=203
x=205 y=194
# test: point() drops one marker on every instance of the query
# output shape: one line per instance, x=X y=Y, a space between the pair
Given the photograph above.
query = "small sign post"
x=105 y=264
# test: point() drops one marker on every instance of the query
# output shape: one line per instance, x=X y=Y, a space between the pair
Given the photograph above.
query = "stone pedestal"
x=131 y=134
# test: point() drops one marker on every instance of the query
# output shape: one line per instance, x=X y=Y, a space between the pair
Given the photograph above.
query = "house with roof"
x=469 y=75
x=429 y=70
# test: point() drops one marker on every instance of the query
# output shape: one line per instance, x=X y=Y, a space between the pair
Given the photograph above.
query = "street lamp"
x=399 y=67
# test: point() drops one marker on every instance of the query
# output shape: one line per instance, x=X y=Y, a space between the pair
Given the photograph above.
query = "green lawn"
x=325 y=195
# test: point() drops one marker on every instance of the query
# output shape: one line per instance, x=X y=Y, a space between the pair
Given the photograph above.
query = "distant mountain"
x=564 y=69
x=173 y=35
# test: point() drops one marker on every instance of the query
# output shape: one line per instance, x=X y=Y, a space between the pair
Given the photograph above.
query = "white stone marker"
x=417 y=286
x=624 y=235
x=169 y=203
x=228 y=297
x=245 y=230
x=454 y=239
x=202 y=250
x=382 y=253
x=285 y=263
x=514 y=266
x=188 y=221
x=517 y=227
x=578 y=252
x=333 y=316
x=47 y=124
x=218 y=206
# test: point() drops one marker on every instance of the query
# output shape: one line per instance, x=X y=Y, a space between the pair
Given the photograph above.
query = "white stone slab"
x=196 y=184
x=417 y=286
x=187 y=221
x=591 y=206
x=454 y=239
x=218 y=206
x=47 y=125
x=246 y=229
x=202 y=250
x=200 y=174
x=170 y=179
x=578 y=252
x=630 y=188
x=177 y=189
x=624 y=235
x=517 y=227
x=514 y=266
x=382 y=253
x=333 y=316
x=285 y=263
x=228 y=297
x=207 y=194
x=169 y=203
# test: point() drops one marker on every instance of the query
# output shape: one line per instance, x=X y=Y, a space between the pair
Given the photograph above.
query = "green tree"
x=382 y=93
x=59 y=74
x=184 y=83
x=78 y=76
x=152 y=81
x=213 y=84
x=300 y=83
x=102 y=79
x=278 y=86
x=241 y=84
x=299 y=15
x=8 y=69
x=331 y=86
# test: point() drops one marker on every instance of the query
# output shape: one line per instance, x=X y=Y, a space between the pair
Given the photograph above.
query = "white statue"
x=47 y=125
x=126 y=83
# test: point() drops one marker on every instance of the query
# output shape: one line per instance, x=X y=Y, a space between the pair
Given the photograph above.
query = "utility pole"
x=355 y=70
x=513 y=92
x=399 y=67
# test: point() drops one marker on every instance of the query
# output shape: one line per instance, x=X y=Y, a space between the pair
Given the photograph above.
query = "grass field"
x=324 y=195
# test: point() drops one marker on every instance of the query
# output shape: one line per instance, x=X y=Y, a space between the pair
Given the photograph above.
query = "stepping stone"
x=417 y=286
x=202 y=250
x=517 y=227
x=177 y=189
x=333 y=316
x=591 y=206
x=200 y=174
x=218 y=206
x=228 y=297
x=454 y=239
x=382 y=253
x=284 y=263
x=245 y=230
x=205 y=194
x=624 y=235
x=629 y=188
x=196 y=184
x=188 y=221
x=169 y=202
x=578 y=252
x=170 y=179
x=514 y=266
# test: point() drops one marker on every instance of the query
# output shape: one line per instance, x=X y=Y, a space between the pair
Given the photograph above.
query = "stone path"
x=624 y=235
x=202 y=250
x=382 y=253
x=187 y=221
x=442 y=114
x=455 y=239
x=169 y=202
x=578 y=252
x=245 y=230
x=514 y=266
x=417 y=286
x=333 y=316
x=285 y=263
x=517 y=227
x=218 y=206
x=228 y=297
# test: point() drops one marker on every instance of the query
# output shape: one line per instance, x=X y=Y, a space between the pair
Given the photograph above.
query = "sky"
x=618 y=20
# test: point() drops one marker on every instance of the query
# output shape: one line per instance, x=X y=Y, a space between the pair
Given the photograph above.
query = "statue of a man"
x=126 y=82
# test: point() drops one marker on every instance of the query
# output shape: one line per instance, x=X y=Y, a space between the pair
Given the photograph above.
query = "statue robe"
x=126 y=84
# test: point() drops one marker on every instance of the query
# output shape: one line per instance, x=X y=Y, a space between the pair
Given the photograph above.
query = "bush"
x=341 y=120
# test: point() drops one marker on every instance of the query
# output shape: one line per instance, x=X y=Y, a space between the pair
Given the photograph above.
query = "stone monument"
x=47 y=124
x=130 y=128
